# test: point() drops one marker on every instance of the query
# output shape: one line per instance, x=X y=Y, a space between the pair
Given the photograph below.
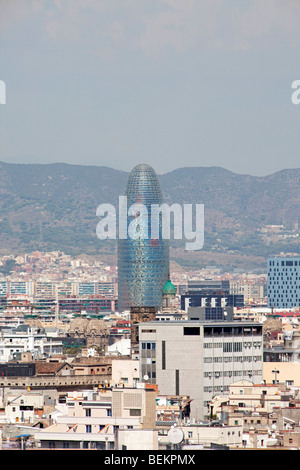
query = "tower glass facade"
x=284 y=282
x=143 y=262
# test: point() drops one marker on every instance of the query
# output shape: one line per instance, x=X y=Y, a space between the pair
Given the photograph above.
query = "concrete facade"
x=200 y=359
x=125 y=372
x=109 y=419
x=287 y=372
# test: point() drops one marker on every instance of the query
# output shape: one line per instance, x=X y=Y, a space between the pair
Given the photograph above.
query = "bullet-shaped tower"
x=143 y=262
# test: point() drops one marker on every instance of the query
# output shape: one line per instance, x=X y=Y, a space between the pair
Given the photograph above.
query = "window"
x=163 y=355
x=191 y=331
x=237 y=347
x=177 y=382
x=146 y=345
x=134 y=412
x=88 y=428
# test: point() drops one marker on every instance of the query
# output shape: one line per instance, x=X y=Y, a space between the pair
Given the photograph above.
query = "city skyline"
x=173 y=322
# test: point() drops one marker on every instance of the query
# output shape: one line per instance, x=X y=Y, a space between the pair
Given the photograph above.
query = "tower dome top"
x=169 y=288
x=143 y=186
x=142 y=166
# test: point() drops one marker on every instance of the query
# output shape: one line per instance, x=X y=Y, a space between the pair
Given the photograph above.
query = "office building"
x=200 y=359
x=212 y=294
x=210 y=313
x=209 y=285
x=284 y=282
x=254 y=292
x=143 y=262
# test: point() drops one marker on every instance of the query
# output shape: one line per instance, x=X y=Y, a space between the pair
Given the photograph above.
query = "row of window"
x=246 y=344
x=88 y=412
x=210 y=360
x=211 y=331
x=88 y=428
x=227 y=347
x=284 y=263
x=232 y=373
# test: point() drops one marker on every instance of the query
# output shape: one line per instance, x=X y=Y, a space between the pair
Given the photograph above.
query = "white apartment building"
x=251 y=292
x=3 y=288
x=248 y=396
x=44 y=289
x=121 y=419
x=20 y=340
x=21 y=288
x=22 y=407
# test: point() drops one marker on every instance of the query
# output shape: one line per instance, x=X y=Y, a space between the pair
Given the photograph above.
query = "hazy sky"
x=171 y=83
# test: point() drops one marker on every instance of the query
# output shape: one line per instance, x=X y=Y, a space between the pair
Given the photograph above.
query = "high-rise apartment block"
x=284 y=282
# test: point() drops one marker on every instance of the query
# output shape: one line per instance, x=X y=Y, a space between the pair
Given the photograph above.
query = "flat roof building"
x=284 y=282
x=200 y=358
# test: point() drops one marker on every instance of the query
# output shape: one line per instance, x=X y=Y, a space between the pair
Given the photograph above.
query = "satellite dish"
x=146 y=377
x=175 y=435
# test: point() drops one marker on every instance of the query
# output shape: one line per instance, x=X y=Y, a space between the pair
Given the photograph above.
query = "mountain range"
x=50 y=207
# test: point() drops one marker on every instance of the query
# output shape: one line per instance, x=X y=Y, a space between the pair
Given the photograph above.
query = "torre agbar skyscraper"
x=143 y=262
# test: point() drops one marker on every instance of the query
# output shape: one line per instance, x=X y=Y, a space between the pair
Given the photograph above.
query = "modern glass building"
x=143 y=262
x=284 y=282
